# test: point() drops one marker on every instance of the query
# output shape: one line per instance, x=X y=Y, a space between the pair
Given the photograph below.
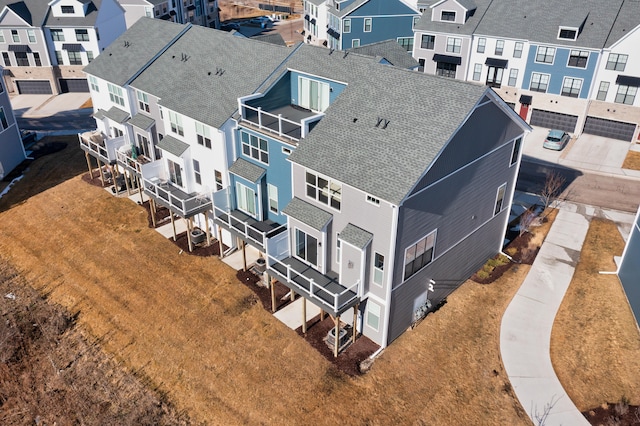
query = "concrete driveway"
x=36 y=106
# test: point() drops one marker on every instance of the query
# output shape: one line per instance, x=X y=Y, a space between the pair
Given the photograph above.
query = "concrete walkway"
x=525 y=332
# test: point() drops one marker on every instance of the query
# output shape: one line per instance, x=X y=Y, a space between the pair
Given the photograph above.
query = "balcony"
x=133 y=162
x=100 y=147
x=164 y=192
x=325 y=291
x=285 y=121
x=253 y=232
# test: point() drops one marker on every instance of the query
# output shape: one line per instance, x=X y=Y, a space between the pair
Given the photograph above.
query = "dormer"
x=572 y=26
x=452 y=11
x=69 y=8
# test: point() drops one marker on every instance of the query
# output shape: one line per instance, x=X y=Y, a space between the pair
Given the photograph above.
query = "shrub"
x=482 y=274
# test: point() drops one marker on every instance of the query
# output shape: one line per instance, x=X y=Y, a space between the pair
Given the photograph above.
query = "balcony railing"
x=125 y=157
x=101 y=147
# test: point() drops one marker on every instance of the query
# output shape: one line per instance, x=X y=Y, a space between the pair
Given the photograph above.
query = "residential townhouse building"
x=45 y=45
x=374 y=212
x=554 y=70
x=12 y=151
x=198 y=12
x=341 y=25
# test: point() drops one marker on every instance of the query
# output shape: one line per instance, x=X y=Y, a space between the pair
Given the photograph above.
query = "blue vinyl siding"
x=559 y=70
x=335 y=87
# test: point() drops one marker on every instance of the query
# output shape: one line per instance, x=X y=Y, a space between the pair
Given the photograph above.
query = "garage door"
x=554 y=120
x=73 y=85
x=34 y=87
x=609 y=128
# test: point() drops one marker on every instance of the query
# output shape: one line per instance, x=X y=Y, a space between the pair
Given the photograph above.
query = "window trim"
x=431 y=41
x=431 y=235
x=457 y=44
x=14 y=34
x=516 y=151
x=196 y=171
x=568 y=29
x=517 y=44
x=545 y=55
x=578 y=57
x=477 y=72
x=375 y=269
x=217 y=174
x=449 y=13
x=143 y=100
x=372 y=314
x=626 y=94
x=605 y=91
x=329 y=192
x=513 y=77
x=617 y=63
x=175 y=123
x=364 y=25
x=115 y=94
x=203 y=135
x=496 y=210
x=482 y=45
x=272 y=191
x=248 y=149
x=31 y=33
x=346 y=26
x=570 y=93
x=499 y=50
x=548 y=76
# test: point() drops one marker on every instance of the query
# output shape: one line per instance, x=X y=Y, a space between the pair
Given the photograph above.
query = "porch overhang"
x=173 y=146
x=247 y=170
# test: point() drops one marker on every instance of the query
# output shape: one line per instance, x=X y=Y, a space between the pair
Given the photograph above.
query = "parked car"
x=556 y=140
x=230 y=26
x=261 y=21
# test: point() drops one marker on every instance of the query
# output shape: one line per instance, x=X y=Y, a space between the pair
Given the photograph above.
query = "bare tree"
x=552 y=188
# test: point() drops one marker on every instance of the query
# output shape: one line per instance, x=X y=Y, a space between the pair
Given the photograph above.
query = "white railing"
x=124 y=156
x=280 y=120
x=163 y=190
x=97 y=143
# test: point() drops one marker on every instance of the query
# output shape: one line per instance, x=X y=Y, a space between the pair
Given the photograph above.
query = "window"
x=246 y=199
x=346 y=26
x=143 y=146
x=494 y=76
x=477 y=72
x=367 y=25
x=272 y=192
x=115 y=94
x=482 y=44
x=67 y=9
x=176 y=123
x=82 y=35
x=5 y=59
x=545 y=54
x=93 y=83
x=3 y=119
x=415 y=21
x=539 y=82
x=31 y=35
x=517 y=145
x=324 y=190
x=448 y=16
x=517 y=50
x=75 y=58
x=373 y=315
x=218 y=177
x=355 y=42
x=419 y=255
x=196 y=172
x=15 y=36
x=116 y=132
x=148 y=12
x=306 y=247
x=36 y=59
x=143 y=101
x=454 y=44
x=406 y=42
x=617 y=62
x=567 y=34
x=286 y=151
x=445 y=69
x=21 y=59
x=338 y=249
x=500 y=199
x=373 y=200
x=571 y=87
x=421 y=63
x=428 y=41
x=513 y=77
x=59 y=57
x=255 y=147
x=314 y=95
x=175 y=173
x=499 y=47
x=2 y=36
x=57 y=35
x=378 y=268
x=626 y=94
x=89 y=56
x=578 y=58
x=204 y=135
x=602 y=91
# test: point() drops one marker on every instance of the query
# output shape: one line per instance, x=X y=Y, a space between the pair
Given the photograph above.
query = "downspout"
x=387 y=306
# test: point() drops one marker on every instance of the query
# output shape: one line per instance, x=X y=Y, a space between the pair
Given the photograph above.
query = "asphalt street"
x=74 y=120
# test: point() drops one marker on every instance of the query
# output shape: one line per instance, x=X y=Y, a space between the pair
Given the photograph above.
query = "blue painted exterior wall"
x=559 y=70
x=335 y=87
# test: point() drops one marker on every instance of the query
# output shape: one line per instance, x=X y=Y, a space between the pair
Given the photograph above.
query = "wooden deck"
x=251 y=231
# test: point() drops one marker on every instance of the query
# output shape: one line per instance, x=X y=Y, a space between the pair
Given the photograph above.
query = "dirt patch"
x=252 y=281
x=632 y=161
x=618 y=414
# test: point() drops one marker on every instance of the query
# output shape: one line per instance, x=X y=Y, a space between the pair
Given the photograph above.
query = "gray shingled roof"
x=88 y=20
x=141 y=121
x=425 y=23
x=247 y=170
x=32 y=11
x=273 y=38
x=118 y=63
x=308 y=214
x=173 y=145
x=201 y=92
x=99 y=114
x=117 y=115
x=355 y=236
x=345 y=11
x=627 y=20
x=467 y=4
x=423 y=111
x=389 y=50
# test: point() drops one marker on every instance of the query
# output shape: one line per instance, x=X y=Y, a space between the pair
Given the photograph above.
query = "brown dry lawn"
x=632 y=161
x=595 y=345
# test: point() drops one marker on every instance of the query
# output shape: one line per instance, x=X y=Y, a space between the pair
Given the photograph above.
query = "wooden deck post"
x=114 y=176
x=304 y=315
x=273 y=294
x=86 y=154
x=321 y=314
x=152 y=211
x=220 y=242
x=355 y=322
x=337 y=340
x=173 y=224
x=244 y=255
x=140 y=189
x=293 y=295
x=206 y=228
x=101 y=172
x=125 y=175
x=189 y=228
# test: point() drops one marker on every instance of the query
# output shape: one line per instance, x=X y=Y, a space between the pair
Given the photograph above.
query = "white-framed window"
x=115 y=94
x=306 y=248
x=513 y=77
x=82 y=34
x=517 y=49
x=454 y=44
x=203 y=135
x=428 y=41
x=196 y=172
x=175 y=172
x=602 y=91
x=36 y=59
x=67 y=9
x=313 y=94
x=89 y=56
x=578 y=58
x=626 y=95
x=545 y=54
x=75 y=58
x=3 y=119
x=31 y=35
x=477 y=72
x=246 y=199
x=448 y=16
x=406 y=43
x=338 y=249
x=371 y=199
x=15 y=36
x=324 y=190
x=415 y=21
x=368 y=22
x=499 y=47
x=148 y=12
x=176 y=123
x=539 y=82
x=373 y=315
x=272 y=192
x=571 y=87
x=482 y=44
x=419 y=255
x=567 y=34
x=218 y=178
x=57 y=34
x=93 y=83
x=59 y=59
x=255 y=147
x=6 y=59
x=346 y=26
x=515 y=153
x=355 y=42
x=378 y=268
x=617 y=61
x=143 y=101
x=500 y=199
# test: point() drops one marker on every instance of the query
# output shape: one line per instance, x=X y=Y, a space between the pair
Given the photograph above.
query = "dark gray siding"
x=487 y=128
x=278 y=95
x=630 y=269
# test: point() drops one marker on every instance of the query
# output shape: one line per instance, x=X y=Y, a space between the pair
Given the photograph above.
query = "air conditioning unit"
x=344 y=338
